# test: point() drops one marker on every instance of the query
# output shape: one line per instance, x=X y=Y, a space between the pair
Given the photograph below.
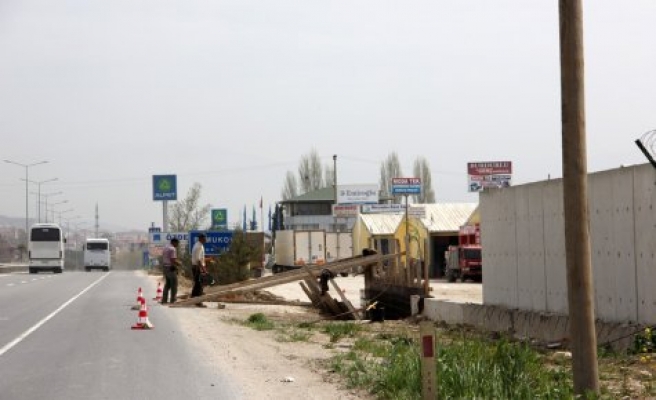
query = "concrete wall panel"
x=645 y=241
x=554 y=247
x=524 y=245
x=523 y=254
x=536 y=248
x=498 y=238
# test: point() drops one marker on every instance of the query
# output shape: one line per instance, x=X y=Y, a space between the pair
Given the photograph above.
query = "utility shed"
x=443 y=222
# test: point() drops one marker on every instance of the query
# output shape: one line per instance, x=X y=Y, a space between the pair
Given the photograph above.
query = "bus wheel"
x=58 y=271
x=32 y=271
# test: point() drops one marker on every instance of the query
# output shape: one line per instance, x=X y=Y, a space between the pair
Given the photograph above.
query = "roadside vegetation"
x=384 y=360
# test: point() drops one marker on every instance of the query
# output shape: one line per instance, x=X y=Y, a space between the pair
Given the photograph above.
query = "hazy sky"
x=231 y=94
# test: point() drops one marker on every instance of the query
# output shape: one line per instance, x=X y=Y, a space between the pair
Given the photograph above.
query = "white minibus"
x=97 y=255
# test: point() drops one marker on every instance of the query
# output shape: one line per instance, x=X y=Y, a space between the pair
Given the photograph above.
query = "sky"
x=231 y=95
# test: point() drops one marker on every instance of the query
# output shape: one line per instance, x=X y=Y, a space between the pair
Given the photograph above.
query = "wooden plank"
x=282 y=278
x=315 y=301
x=345 y=300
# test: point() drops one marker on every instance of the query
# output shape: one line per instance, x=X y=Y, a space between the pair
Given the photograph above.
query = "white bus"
x=97 y=255
x=46 y=248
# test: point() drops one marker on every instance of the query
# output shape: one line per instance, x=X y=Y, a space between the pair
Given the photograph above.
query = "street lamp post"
x=27 y=206
x=47 y=195
x=53 y=209
x=38 y=204
x=63 y=212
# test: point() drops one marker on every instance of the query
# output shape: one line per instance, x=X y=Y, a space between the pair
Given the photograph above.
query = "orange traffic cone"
x=140 y=300
x=158 y=298
x=143 y=322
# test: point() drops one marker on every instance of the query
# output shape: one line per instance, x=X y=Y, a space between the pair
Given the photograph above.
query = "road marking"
x=11 y=284
x=28 y=332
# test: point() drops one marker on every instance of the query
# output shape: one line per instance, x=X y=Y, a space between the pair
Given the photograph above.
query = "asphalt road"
x=68 y=336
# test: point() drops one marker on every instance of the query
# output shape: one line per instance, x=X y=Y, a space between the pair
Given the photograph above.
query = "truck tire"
x=32 y=271
x=57 y=271
x=451 y=276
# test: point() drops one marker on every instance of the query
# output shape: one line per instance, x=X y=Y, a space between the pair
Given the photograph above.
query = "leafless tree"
x=290 y=189
x=187 y=214
x=310 y=172
x=422 y=170
x=390 y=168
x=328 y=175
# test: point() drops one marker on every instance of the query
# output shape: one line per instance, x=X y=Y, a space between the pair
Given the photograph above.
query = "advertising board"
x=165 y=187
x=489 y=174
x=219 y=218
x=405 y=186
x=357 y=194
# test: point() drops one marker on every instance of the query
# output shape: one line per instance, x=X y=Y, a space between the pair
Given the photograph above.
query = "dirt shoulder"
x=261 y=363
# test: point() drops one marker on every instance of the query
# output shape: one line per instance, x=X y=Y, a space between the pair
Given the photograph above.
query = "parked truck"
x=293 y=249
x=465 y=261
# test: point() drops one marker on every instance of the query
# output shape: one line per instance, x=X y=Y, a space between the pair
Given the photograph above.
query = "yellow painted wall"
x=360 y=237
x=418 y=235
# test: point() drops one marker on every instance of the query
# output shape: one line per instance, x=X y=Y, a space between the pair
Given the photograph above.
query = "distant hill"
x=18 y=222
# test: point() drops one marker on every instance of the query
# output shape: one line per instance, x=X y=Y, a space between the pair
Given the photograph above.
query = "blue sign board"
x=217 y=242
x=165 y=187
x=406 y=186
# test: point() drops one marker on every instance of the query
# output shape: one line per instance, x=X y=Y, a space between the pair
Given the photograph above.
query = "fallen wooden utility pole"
x=286 y=277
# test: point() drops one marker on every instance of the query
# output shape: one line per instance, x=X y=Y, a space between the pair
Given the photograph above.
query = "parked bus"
x=46 y=248
x=97 y=255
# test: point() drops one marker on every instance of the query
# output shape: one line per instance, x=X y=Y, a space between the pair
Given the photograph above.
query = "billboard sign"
x=405 y=186
x=165 y=187
x=357 y=194
x=217 y=242
x=491 y=174
x=418 y=211
x=219 y=217
x=345 y=210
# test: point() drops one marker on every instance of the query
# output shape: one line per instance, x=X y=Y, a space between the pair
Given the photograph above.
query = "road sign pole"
x=165 y=215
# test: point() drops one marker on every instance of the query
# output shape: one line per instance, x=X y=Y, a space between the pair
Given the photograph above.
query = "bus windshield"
x=45 y=235
x=97 y=246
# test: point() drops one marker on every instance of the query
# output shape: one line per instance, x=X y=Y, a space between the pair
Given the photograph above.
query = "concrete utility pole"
x=575 y=196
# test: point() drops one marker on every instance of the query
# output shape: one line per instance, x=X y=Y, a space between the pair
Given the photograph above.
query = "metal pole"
x=27 y=200
x=165 y=216
x=575 y=197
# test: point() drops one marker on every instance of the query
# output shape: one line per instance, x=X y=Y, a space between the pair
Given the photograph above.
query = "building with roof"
x=431 y=233
x=314 y=211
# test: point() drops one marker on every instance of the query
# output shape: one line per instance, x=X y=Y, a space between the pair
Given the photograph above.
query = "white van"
x=97 y=254
x=46 y=248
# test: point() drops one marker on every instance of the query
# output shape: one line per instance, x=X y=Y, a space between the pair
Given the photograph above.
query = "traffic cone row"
x=142 y=322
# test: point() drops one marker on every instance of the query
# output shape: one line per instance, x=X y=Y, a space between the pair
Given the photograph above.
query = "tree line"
x=311 y=175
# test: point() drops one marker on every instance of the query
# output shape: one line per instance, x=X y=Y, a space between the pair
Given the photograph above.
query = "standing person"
x=198 y=266
x=170 y=269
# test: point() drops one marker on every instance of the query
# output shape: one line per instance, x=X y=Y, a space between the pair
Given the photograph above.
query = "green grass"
x=470 y=368
x=259 y=322
x=337 y=330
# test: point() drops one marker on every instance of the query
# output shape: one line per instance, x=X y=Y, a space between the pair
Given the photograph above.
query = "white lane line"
x=28 y=332
x=11 y=284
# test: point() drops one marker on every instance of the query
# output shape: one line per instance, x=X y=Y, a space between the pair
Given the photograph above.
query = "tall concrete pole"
x=575 y=192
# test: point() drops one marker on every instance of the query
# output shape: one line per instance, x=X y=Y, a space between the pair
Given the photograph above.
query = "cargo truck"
x=464 y=261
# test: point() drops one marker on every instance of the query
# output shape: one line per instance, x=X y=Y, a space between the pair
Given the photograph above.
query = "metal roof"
x=381 y=224
x=326 y=194
x=447 y=217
